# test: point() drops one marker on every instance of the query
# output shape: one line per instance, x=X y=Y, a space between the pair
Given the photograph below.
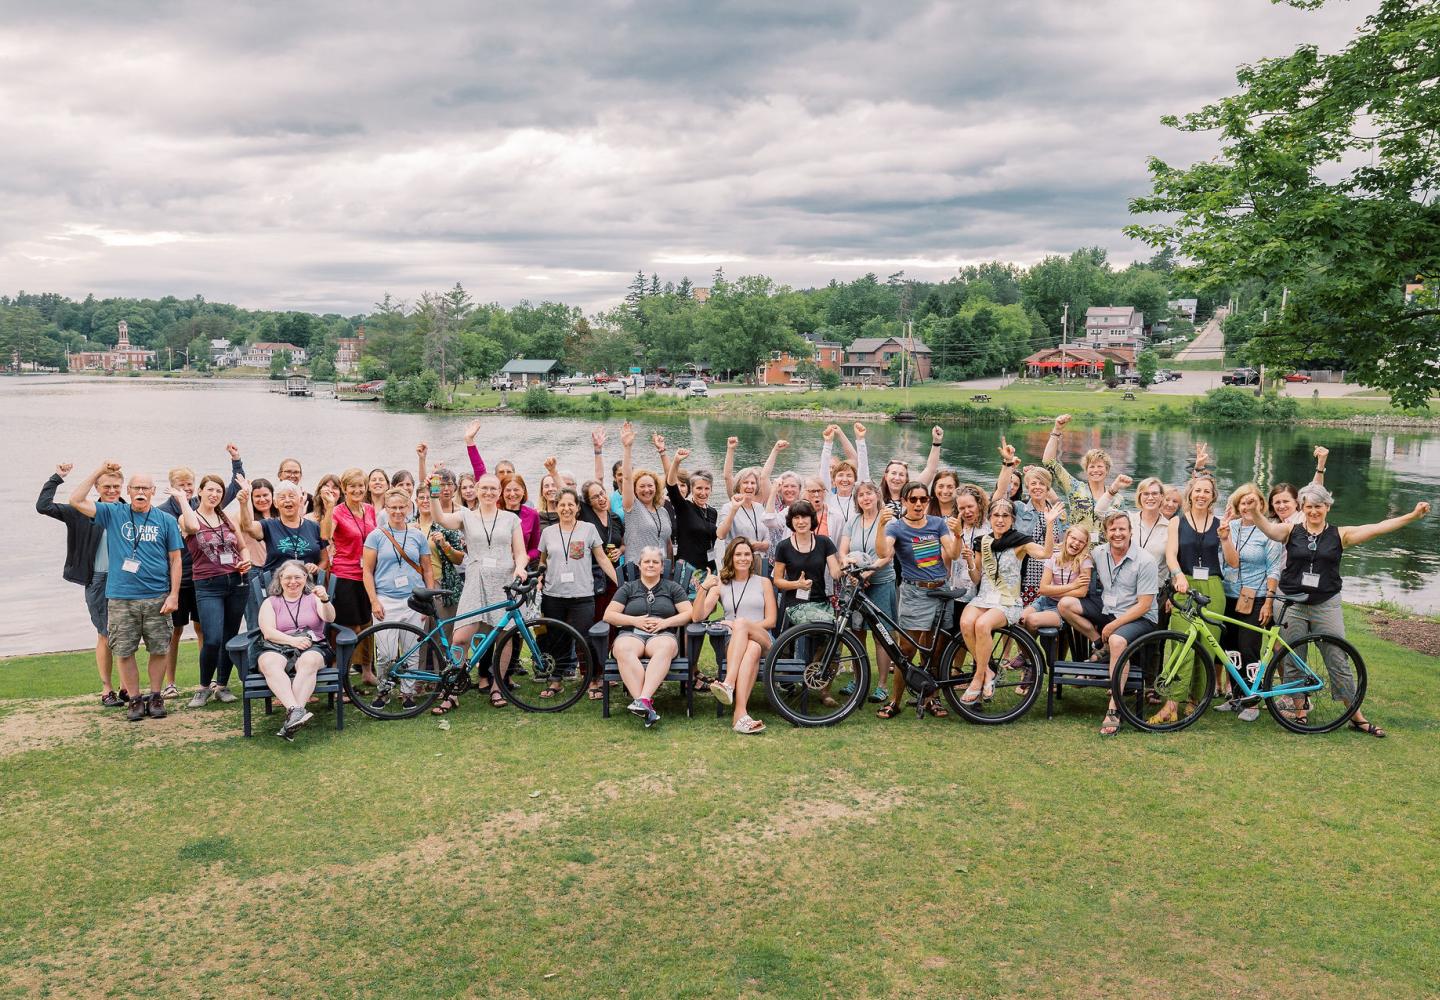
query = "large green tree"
x=1325 y=188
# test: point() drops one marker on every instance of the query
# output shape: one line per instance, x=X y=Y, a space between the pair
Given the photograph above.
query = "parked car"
x=602 y=379
x=1129 y=378
x=614 y=386
x=376 y=386
x=656 y=382
x=1241 y=376
x=1297 y=377
x=697 y=388
x=501 y=383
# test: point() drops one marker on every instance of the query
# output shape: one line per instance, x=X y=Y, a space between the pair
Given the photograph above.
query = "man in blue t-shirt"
x=142 y=586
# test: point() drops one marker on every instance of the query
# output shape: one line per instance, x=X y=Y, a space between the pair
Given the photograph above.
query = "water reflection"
x=151 y=426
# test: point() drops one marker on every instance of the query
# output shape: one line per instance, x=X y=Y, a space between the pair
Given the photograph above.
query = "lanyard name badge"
x=489 y=562
x=132 y=565
x=1312 y=578
x=567 y=575
x=400 y=579
x=225 y=556
x=1200 y=572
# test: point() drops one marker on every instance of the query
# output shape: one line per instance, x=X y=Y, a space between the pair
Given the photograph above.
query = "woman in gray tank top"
x=748 y=600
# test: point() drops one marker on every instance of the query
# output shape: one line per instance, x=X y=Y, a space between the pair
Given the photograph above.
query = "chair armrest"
x=600 y=630
x=342 y=636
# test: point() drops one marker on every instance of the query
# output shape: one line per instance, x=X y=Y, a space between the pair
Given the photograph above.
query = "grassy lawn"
x=519 y=855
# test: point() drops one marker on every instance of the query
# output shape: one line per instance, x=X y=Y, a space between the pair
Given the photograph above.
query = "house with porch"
x=868 y=359
x=526 y=372
x=1114 y=326
x=779 y=369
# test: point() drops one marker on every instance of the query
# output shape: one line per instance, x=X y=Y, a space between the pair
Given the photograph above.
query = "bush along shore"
x=1225 y=406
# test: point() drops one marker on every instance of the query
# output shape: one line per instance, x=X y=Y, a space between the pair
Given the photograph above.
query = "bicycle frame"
x=1248 y=689
x=437 y=631
x=880 y=622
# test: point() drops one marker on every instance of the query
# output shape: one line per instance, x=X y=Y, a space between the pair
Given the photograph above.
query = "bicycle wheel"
x=401 y=651
x=816 y=674
x=1162 y=655
x=554 y=680
x=1017 y=668
x=1322 y=661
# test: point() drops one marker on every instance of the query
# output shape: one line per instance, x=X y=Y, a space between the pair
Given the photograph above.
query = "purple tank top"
x=294 y=616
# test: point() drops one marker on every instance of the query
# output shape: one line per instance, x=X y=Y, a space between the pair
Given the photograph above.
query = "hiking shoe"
x=171 y=691
x=111 y=700
x=637 y=708
x=157 y=706
x=224 y=694
x=651 y=717
x=200 y=700
x=136 y=711
x=1249 y=714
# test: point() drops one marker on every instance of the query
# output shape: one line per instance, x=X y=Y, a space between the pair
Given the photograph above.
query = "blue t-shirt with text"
x=148 y=538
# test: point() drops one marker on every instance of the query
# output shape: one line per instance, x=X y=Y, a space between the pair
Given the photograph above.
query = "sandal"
x=497 y=700
x=970 y=697
x=448 y=703
x=888 y=710
x=1162 y=717
x=1099 y=652
x=702 y=683
x=1110 y=725
x=595 y=694
x=933 y=707
x=552 y=690
x=1152 y=697
x=748 y=726
x=1369 y=729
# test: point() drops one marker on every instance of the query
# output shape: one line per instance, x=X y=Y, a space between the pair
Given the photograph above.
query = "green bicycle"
x=1313 y=685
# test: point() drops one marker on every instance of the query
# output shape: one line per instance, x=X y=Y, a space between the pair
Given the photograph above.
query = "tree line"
x=984 y=319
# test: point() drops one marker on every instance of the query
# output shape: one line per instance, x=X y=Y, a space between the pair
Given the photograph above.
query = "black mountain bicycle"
x=818 y=673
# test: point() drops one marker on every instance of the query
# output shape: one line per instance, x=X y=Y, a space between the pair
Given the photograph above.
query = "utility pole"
x=1064 y=339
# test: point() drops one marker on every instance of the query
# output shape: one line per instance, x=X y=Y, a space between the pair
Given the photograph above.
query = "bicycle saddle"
x=425 y=593
x=948 y=595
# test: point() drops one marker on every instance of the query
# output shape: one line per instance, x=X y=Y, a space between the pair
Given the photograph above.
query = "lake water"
x=152 y=426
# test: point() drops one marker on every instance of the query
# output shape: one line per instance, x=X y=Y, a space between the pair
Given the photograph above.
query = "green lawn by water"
x=525 y=856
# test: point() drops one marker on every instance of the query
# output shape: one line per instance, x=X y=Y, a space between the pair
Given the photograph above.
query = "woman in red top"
x=220 y=559
x=350 y=524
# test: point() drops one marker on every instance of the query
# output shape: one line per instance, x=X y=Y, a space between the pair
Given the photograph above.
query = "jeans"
x=220 y=601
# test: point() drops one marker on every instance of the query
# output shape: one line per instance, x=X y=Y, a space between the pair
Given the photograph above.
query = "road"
x=1209 y=343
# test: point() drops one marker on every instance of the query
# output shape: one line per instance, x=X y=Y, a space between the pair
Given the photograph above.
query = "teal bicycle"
x=1313 y=685
x=541 y=665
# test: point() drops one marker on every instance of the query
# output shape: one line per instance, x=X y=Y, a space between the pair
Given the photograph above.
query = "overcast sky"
x=314 y=155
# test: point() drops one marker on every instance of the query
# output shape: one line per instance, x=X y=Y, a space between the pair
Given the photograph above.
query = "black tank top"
x=1322 y=559
x=1199 y=548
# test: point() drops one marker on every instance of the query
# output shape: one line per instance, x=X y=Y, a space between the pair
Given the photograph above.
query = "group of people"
x=1039 y=547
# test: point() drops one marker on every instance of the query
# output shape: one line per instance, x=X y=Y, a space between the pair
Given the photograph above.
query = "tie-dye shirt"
x=917 y=550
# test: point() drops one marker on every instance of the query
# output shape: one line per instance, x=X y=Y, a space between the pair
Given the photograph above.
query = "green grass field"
x=528 y=856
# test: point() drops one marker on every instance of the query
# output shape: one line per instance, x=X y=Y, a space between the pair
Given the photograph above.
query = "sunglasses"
x=917 y=499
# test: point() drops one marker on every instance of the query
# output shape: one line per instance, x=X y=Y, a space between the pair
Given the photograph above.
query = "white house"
x=1184 y=307
x=258 y=354
x=1114 y=326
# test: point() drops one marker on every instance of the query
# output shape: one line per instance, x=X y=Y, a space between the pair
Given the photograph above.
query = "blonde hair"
x=1196 y=480
x=1061 y=559
x=638 y=474
x=1144 y=485
x=180 y=472
x=1232 y=505
x=1096 y=455
x=1039 y=472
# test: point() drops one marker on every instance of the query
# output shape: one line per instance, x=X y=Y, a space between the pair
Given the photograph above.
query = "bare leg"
x=1117 y=647
x=1072 y=612
x=745 y=674
x=662 y=650
x=129 y=674
x=172 y=656
x=155 y=667
x=272 y=668
x=306 y=668
x=105 y=664
x=627 y=651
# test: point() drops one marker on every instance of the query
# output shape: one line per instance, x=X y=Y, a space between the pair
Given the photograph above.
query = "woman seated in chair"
x=645 y=610
x=748 y=600
x=292 y=627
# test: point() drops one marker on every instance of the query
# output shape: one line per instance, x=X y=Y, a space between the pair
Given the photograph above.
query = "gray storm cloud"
x=314 y=155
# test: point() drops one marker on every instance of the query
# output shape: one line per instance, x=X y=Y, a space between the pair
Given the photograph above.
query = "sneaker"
x=112 y=700
x=1249 y=714
x=637 y=708
x=171 y=691
x=295 y=718
x=381 y=700
x=407 y=702
x=224 y=695
x=723 y=693
x=157 y=705
x=651 y=717
x=1228 y=705
x=136 y=711
x=200 y=700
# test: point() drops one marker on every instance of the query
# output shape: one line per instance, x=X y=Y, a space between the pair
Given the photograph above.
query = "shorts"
x=1043 y=603
x=1095 y=614
x=188 y=611
x=918 y=608
x=883 y=594
x=292 y=654
x=352 y=603
x=133 y=620
x=97 y=604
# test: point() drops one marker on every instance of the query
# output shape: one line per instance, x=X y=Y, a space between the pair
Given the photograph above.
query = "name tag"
x=131 y=565
x=401 y=581
x=1310 y=580
x=227 y=559
x=487 y=562
x=1201 y=573
x=804 y=594
x=567 y=577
